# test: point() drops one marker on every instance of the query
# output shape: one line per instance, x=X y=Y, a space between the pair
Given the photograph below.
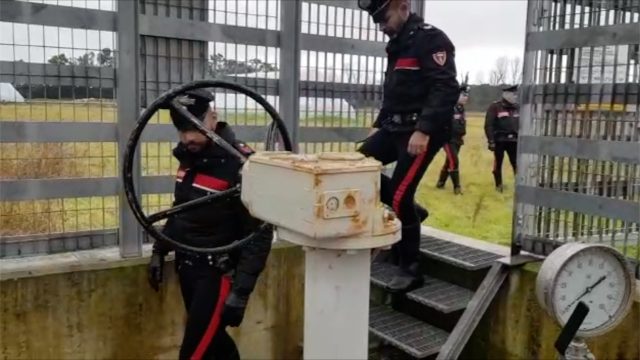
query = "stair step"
x=381 y=273
x=435 y=293
x=408 y=334
x=456 y=254
x=441 y=295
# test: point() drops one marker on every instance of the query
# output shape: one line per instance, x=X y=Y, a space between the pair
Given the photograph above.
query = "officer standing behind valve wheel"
x=451 y=165
x=501 y=127
x=420 y=91
x=215 y=288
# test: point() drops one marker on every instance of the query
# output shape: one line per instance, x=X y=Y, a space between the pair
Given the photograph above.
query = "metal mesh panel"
x=340 y=88
x=62 y=144
x=579 y=166
x=57 y=111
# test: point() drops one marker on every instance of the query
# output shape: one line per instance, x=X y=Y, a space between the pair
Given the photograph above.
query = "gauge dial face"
x=594 y=274
x=332 y=204
x=596 y=278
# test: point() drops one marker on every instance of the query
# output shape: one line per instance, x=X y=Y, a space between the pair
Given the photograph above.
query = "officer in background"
x=501 y=127
x=215 y=287
x=451 y=165
x=419 y=93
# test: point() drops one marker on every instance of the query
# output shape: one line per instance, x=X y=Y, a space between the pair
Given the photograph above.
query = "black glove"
x=492 y=146
x=234 y=308
x=155 y=270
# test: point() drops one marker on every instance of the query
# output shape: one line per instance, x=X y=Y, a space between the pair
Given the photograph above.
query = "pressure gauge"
x=594 y=274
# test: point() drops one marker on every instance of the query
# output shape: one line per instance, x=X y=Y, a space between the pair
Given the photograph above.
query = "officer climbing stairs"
x=436 y=320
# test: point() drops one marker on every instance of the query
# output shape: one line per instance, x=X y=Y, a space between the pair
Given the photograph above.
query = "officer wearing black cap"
x=215 y=288
x=419 y=93
x=501 y=127
x=451 y=165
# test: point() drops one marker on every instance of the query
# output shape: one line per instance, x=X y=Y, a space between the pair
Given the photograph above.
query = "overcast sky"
x=481 y=30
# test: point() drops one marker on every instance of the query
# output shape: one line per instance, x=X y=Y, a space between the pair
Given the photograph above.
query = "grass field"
x=480 y=212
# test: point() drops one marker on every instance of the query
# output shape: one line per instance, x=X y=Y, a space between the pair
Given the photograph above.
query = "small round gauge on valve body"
x=594 y=274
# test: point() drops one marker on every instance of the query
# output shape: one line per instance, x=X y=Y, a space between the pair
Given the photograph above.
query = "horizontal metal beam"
x=24 y=131
x=341 y=45
x=19 y=68
x=573 y=95
x=255 y=133
x=55 y=15
x=331 y=134
x=619 y=151
x=620 y=34
x=157 y=184
x=580 y=203
x=348 y=4
x=167 y=132
x=26 y=245
x=57 y=132
x=36 y=189
x=31 y=189
x=204 y=31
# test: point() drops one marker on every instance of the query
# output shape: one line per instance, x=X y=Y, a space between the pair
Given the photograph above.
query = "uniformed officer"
x=501 y=127
x=420 y=91
x=451 y=165
x=215 y=288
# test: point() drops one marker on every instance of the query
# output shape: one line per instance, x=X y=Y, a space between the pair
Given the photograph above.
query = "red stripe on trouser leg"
x=447 y=149
x=225 y=287
x=408 y=178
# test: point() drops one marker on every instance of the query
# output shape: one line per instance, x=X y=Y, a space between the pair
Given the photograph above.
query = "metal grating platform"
x=381 y=273
x=459 y=255
x=412 y=336
x=441 y=295
x=435 y=293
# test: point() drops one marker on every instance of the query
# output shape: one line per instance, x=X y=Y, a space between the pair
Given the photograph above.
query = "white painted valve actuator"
x=330 y=204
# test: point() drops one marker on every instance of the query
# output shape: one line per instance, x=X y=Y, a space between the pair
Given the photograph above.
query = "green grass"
x=106 y=112
x=481 y=212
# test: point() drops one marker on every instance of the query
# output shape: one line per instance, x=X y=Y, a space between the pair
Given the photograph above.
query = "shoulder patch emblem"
x=440 y=57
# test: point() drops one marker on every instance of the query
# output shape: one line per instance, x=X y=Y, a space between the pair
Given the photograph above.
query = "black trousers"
x=399 y=190
x=204 y=291
x=511 y=148
x=451 y=165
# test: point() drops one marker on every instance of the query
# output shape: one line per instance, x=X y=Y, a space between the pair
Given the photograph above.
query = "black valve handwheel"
x=276 y=129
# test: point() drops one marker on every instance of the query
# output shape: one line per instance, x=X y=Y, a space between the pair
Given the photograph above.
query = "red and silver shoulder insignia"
x=440 y=57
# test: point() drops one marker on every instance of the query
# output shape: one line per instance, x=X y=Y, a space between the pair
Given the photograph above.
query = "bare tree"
x=499 y=73
x=515 y=70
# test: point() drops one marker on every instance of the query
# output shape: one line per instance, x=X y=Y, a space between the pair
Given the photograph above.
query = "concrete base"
x=336 y=304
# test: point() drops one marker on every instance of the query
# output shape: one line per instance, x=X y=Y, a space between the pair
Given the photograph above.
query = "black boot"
x=442 y=179
x=407 y=278
x=497 y=178
x=455 y=178
x=423 y=213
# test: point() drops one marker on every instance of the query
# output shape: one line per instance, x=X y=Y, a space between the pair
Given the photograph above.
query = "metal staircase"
x=437 y=319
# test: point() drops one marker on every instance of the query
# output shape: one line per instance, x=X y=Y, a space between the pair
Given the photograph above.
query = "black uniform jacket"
x=502 y=122
x=220 y=223
x=420 y=78
x=458 y=124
